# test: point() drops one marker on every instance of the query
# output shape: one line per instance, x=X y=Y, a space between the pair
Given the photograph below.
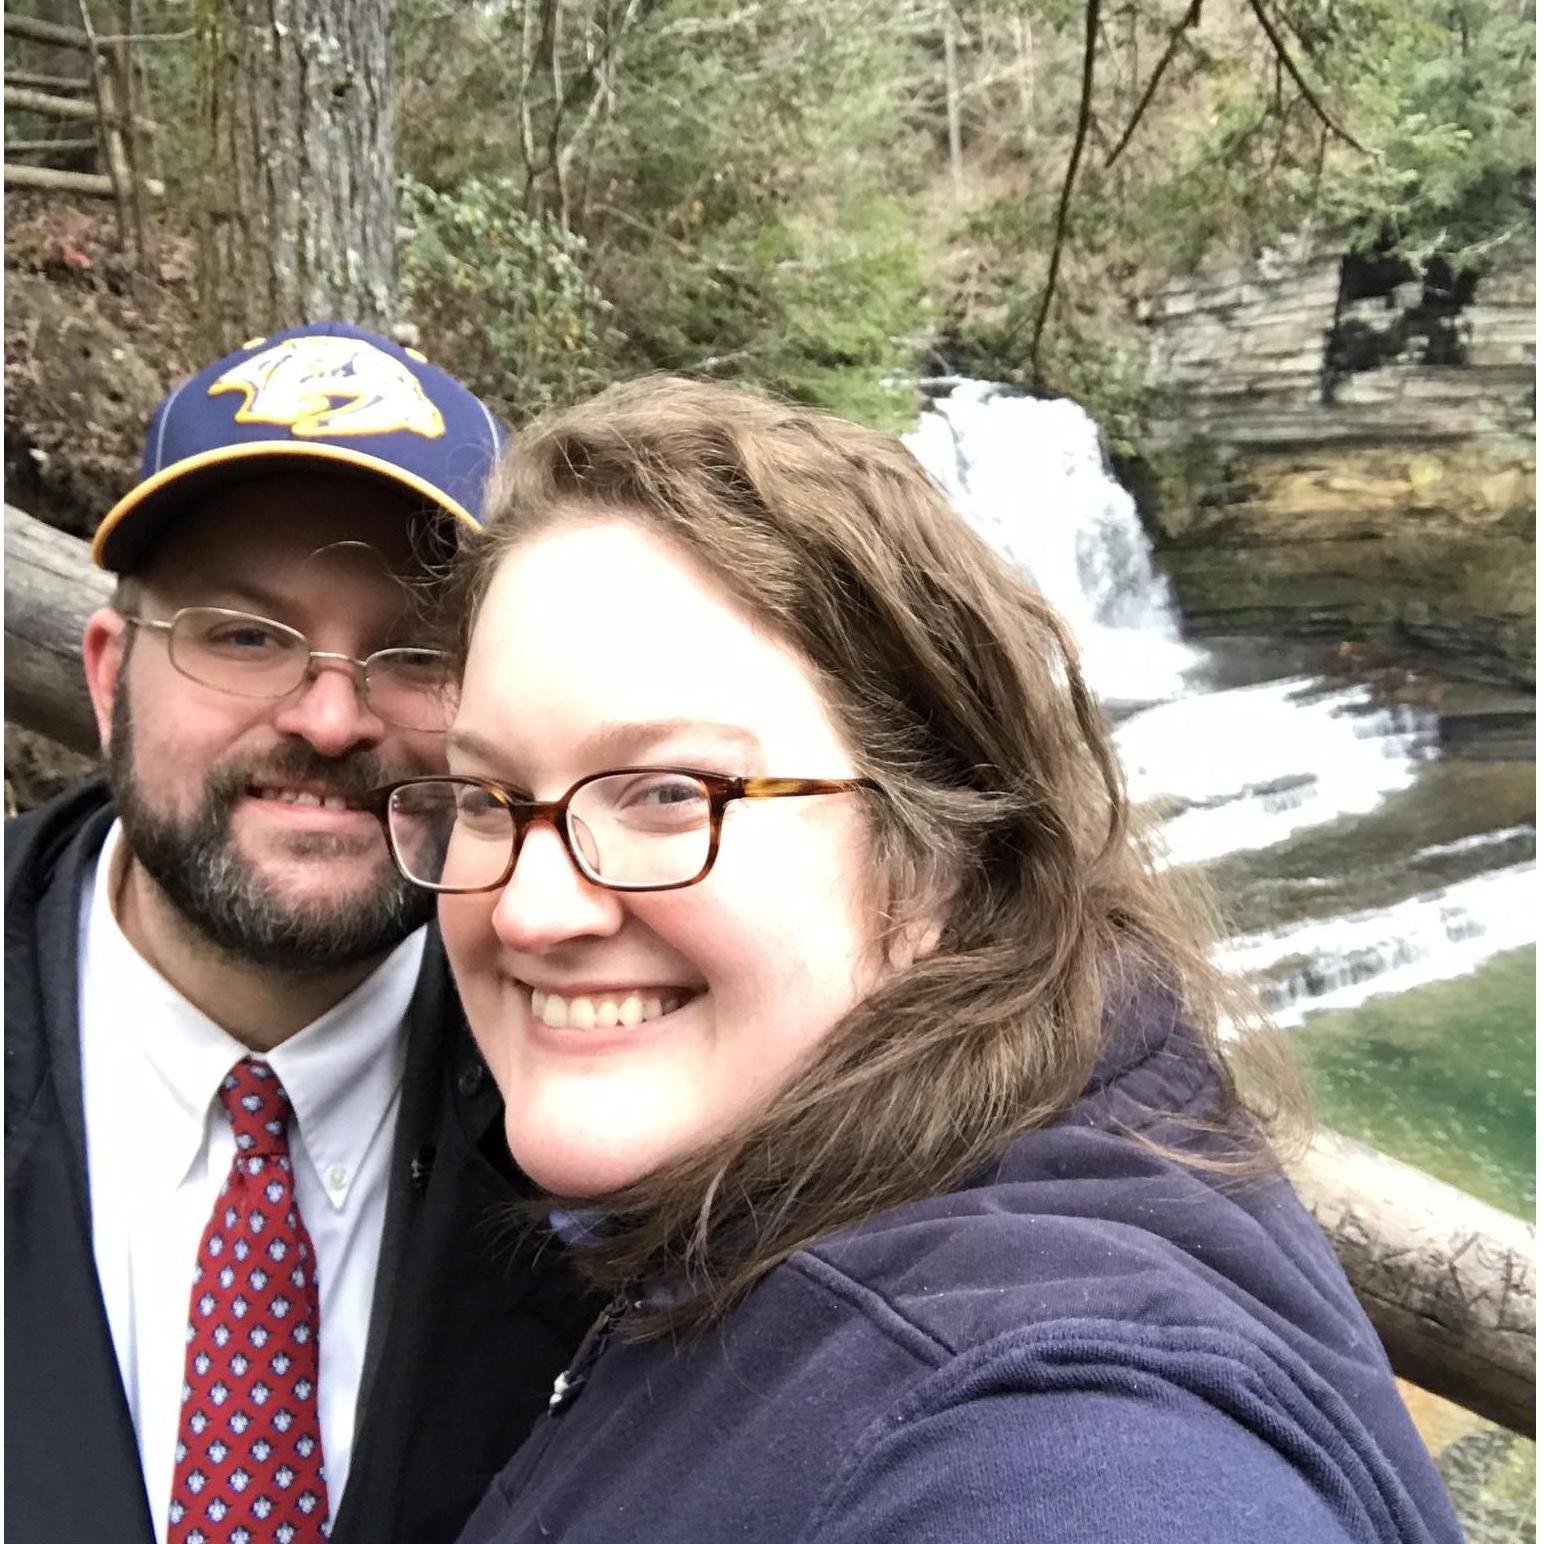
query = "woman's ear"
x=920 y=913
x=914 y=940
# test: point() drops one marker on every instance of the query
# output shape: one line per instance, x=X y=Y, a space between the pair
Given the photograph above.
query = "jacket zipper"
x=565 y=1388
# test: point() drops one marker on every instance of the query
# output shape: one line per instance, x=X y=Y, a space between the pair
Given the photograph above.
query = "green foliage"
x=504 y=293
x=1230 y=154
x=830 y=314
x=745 y=182
x=1438 y=95
x=765 y=169
x=1445 y=91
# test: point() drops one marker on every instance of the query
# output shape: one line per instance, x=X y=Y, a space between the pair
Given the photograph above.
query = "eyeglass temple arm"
x=793 y=787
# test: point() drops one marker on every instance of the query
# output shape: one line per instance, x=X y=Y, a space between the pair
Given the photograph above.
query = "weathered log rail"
x=1448 y=1281
x=51 y=587
x=49 y=105
x=112 y=85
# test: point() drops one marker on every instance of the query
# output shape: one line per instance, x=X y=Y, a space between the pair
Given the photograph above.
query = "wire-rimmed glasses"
x=253 y=656
x=632 y=828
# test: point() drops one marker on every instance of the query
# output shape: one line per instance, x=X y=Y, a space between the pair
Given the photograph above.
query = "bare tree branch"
x=591 y=78
x=1085 y=116
x=1279 y=44
x=523 y=92
x=1186 y=22
x=560 y=104
x=601 y=67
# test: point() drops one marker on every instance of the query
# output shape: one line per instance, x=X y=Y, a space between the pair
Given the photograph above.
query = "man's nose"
x=329 y=709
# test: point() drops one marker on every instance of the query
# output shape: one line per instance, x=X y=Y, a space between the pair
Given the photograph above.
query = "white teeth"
x=331 y=801
x=599 y=1013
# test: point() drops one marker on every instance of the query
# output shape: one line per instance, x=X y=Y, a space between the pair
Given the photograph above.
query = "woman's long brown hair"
x=1003 y=839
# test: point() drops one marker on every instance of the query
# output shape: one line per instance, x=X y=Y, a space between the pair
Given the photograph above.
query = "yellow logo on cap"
x=333 y=387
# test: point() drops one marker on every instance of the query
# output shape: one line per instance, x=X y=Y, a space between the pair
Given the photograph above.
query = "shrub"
x=504 y=294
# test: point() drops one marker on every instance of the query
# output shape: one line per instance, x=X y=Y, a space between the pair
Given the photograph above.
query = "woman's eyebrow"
x=615 y=741
x=621 y=740
x=475 y=746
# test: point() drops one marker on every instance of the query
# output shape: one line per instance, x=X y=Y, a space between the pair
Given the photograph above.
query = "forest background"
x=831 y=197
x=828 y=197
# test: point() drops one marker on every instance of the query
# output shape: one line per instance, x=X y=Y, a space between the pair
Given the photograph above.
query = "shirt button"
x=337 y=1177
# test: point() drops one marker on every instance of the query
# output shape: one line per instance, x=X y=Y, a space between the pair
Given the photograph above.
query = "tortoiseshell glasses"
x=635 y=828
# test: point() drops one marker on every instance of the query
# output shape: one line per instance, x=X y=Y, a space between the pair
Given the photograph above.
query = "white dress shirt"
x=159 y=1147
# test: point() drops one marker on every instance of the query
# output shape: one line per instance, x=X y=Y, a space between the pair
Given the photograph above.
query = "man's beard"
x=195 y=861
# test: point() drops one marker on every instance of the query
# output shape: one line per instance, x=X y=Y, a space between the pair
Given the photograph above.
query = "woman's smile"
x=608 y=1009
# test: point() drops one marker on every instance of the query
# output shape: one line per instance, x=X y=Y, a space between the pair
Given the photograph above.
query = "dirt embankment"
x=90 y=348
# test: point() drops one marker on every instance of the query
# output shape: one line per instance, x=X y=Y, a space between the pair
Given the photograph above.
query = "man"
x=263 y=1276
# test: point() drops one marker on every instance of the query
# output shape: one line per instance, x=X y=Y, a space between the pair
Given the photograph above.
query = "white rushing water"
x=1235 y=770
x=1429 y=937
x=1028 y=474
x=1255 y=765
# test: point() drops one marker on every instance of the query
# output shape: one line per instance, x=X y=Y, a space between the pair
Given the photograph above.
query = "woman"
x=865 y=1062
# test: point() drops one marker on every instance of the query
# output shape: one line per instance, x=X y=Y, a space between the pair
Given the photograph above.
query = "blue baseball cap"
x=328 y=397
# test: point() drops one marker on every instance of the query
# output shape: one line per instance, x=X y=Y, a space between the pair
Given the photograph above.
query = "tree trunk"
x=952 y=101
x=298 y=209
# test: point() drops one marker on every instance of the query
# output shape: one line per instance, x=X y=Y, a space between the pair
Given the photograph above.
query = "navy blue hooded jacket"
x=1092 y=1343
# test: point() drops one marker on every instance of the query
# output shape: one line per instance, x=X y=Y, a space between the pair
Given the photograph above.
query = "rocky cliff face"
x=1343 y=447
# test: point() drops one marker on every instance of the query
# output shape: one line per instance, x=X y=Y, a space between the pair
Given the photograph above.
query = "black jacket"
x=467 y=1332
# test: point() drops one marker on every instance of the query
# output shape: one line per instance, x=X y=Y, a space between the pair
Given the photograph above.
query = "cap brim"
x=132 y=525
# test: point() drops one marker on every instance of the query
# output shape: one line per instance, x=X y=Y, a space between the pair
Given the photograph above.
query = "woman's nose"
x=546 y=901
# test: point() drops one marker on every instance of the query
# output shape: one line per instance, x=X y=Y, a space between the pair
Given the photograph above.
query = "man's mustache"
x=350 y=776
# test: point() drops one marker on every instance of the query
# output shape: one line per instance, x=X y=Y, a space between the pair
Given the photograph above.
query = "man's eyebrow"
x=616 y=741
x=237 y=595
x=261 y=600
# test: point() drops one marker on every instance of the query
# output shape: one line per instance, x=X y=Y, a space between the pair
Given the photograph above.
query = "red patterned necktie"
x=249 y=1446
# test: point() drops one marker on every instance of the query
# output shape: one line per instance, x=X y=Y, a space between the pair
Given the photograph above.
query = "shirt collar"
x=341 y=1071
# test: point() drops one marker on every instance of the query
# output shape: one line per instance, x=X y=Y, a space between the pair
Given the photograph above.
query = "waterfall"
x=1029 y=476
x=1237 y=770
x=1245 y=768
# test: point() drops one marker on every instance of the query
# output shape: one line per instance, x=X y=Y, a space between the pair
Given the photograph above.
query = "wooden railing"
x=106 y=96
x=1448 y=1281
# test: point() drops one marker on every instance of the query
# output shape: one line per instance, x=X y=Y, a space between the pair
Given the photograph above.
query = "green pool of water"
x=1441 y=1077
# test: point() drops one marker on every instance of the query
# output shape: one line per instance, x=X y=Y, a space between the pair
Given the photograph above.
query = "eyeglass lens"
x=637 y=830
x=251 y=656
